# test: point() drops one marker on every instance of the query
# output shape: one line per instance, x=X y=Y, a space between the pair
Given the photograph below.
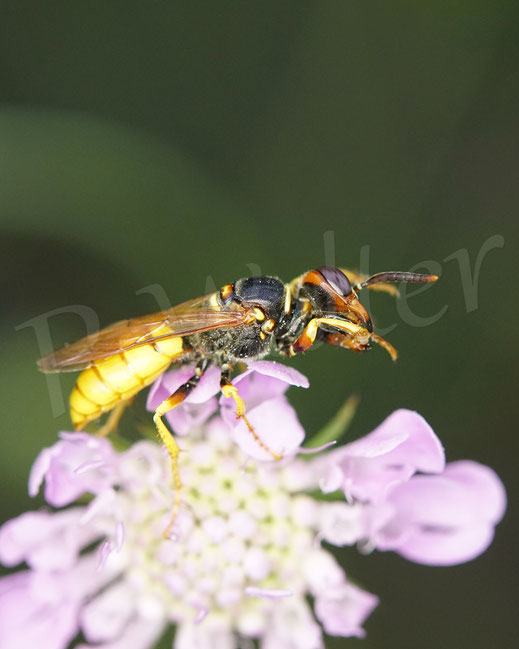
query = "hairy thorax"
x=232 y=345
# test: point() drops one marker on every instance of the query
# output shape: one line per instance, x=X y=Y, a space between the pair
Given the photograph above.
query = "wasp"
x=241 y=322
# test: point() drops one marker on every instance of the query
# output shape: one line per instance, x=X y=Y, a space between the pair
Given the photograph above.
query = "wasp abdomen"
x=119 y=377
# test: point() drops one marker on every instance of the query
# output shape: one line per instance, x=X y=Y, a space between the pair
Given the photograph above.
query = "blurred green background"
x=190 y=143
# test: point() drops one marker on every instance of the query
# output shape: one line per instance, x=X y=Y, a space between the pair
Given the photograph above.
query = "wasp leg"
x=230 y=390
x=295 y=284
x=349 y=342
x=345 y=341
x=307 y=338
x=385 y=345
x=113 y=419
x=167 y=438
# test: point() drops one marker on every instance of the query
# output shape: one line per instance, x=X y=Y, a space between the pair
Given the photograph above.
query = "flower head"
x=245 y=549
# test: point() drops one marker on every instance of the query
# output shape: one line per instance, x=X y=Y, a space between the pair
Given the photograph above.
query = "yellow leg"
x=173 y=450
x=385 y=345
x=230 y=390
x=169 y=441
x=113 y=419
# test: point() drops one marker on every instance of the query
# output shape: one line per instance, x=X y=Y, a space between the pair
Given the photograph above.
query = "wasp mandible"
x=241 y=322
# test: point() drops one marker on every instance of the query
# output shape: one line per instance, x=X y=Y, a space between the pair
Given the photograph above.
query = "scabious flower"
x=246 y=548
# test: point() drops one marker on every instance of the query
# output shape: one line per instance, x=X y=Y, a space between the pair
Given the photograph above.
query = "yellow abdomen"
x=117 y=378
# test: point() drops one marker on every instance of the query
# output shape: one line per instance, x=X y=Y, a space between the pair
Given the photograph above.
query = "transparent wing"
x=194 y=316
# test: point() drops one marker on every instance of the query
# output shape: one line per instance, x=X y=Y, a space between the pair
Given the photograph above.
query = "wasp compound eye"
x=337 y=279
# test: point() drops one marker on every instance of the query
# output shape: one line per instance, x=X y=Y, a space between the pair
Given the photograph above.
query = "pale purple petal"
x=45 y=541
x=276 y=425
x=267 y=593
x=322 y=572
x=298 y=475
x=262 y=381
x=447 y=547
x=291 y=626
x=204 y=636
x=41 y=608
x=332 y=477
x=407 y=437
x=446 y=519
x=313 y=450
x=279 y=371
x=340 y=523
x=120 y=533
x=142 y=463
x=343 y=610
x=402 y=445
x=103 y=552
x=485 y=487
x=140 y=633
x=38 y=471
x=185 y=417
x=62 y=466
x=166 y=384
x=105 y=617
x=198 y=406
x=102 y=504
x=36 y=611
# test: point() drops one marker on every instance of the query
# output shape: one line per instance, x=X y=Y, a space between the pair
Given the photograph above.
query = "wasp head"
x=331 y=294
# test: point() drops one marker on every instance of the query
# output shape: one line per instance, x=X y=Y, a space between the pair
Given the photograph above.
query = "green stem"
x=335 y=429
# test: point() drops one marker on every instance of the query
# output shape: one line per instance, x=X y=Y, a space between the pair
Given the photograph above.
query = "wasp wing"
x=195 y=316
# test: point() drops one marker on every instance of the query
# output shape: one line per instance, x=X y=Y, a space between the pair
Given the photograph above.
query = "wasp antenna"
x=382 y=278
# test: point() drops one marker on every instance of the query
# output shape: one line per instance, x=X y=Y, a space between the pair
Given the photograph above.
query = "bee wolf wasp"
x=241 y=322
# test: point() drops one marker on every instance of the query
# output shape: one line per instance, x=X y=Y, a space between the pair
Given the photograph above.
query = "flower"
x=408 y=499
x=245 y=549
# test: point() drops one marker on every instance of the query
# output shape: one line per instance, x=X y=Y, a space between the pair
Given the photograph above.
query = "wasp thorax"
x=267 y=293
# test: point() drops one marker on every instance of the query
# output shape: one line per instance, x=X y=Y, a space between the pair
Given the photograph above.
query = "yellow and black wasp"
x=242 y=321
